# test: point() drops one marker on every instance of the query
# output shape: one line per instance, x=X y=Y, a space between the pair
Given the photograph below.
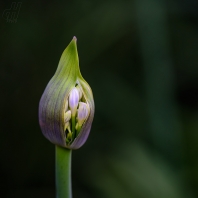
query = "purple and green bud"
x=66 y=108
x=83 y=112
x=73 y=100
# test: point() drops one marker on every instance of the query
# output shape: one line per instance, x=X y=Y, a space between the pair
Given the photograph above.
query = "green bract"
x=66 y=108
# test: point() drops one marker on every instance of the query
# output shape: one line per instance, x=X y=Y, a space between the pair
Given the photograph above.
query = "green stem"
x=63 y=172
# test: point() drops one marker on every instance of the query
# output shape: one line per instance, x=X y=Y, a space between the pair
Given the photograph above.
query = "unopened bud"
x=73 y=100
x=65 y=92
x=83 y=113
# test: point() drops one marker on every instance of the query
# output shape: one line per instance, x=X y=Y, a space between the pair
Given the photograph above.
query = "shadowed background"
x=140 y=58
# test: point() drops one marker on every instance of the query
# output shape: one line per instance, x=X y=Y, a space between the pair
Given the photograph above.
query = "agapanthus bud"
x=73 y=100
x=83 y=112
x=67 y=91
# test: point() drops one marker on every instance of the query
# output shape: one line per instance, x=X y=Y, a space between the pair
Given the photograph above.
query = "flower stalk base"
x=63 y=172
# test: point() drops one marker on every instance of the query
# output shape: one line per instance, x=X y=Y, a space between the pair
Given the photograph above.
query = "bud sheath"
x=61 y=103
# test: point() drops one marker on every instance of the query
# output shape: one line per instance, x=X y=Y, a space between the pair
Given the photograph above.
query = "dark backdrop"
x=140 y=58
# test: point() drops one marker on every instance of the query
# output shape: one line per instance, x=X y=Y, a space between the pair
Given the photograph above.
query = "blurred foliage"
x=140 y=58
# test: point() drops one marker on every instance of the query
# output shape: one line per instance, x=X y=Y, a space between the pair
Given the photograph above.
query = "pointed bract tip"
x=74 y=38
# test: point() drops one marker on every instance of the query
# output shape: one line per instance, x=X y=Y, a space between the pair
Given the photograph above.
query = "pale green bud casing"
x=61 y=98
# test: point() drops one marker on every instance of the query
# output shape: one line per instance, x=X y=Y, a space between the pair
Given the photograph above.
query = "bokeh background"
x=140 y=58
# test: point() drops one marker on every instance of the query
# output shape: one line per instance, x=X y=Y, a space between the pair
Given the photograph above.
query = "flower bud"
x=83 y=112
x=79 y=91
x=66 y=92
x=73 y=100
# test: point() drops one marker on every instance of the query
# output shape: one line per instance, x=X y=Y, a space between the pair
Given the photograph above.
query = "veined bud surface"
x=66 y=108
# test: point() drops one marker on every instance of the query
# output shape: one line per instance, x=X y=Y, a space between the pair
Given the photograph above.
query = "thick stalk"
x=63 y=172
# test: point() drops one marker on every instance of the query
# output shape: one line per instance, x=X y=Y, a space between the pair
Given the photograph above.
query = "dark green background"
x=140 y=58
